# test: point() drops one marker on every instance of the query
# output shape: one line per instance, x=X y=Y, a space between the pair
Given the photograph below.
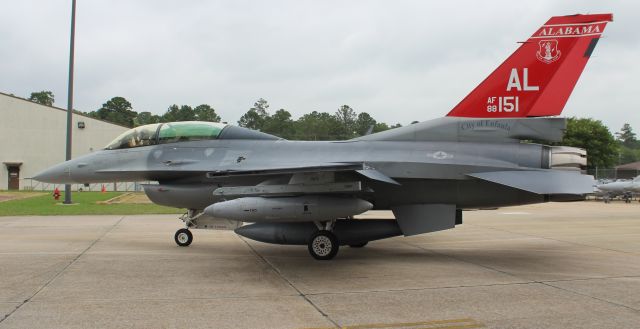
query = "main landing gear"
x=323 y=244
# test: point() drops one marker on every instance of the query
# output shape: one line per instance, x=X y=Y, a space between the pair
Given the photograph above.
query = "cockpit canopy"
x=162 y=133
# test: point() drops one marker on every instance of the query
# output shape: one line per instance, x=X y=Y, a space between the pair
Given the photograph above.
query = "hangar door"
x=13 y=170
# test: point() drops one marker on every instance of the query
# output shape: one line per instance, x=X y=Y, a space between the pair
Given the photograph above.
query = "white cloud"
x=398 y=60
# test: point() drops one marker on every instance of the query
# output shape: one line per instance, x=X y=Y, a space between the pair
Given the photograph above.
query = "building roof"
x=629 y=166
x=75 y=112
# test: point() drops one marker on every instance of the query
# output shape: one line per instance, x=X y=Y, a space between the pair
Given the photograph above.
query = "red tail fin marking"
x=537 y=79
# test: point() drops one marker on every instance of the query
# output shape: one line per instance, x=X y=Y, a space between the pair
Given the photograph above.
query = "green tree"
x=205 y=112
x=595 y=137
x=280 y=124
x=380 y=126
x=116 y=110
x=346 y=117
x=256 y=117
x=179 y=113
x=145 y=118
x=44 y=97
x=628 y=155
x=363 y=123
x=317 y=126
x=627 y=137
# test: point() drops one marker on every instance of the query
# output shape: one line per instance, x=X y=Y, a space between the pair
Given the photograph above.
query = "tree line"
x=604 y=150
x=345 y=123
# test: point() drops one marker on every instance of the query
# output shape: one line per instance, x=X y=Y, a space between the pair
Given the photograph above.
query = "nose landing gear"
x=183 y=237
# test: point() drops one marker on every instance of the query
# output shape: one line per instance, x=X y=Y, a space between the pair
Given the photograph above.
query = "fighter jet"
x=625 y=188
x=308 y=192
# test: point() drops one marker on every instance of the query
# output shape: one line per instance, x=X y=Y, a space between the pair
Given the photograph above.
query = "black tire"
x=323 y=245
x=359 y=245
x=183 y=237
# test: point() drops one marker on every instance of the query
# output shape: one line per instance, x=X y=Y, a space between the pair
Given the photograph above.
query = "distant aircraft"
x=307 y=192
x=626 y=189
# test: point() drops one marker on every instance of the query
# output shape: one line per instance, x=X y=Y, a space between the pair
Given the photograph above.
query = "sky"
x=399 y=61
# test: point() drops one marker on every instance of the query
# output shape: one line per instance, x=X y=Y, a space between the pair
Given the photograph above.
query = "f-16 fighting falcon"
x=307 y=192
x=625 y=188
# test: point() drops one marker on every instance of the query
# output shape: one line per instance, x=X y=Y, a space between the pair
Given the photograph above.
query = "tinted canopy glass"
x=136 y=137
x=167 y=133
x=189 y=131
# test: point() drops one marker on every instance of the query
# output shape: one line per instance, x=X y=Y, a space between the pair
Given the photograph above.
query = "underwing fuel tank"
x=288 y=209
x=348 y=232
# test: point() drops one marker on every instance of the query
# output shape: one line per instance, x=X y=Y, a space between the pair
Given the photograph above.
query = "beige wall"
x=34 y=134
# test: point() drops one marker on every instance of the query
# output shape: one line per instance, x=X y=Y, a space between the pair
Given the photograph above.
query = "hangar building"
x=628 y=171
x=32 y=138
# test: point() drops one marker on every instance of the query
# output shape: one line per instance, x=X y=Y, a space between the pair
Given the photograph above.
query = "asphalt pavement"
x=557 y=265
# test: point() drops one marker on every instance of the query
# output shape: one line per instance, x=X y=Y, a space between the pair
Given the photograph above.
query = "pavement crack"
x=355 y=292
x=418 y=289
x=592 y=297
x=159 y=299
x=285 y=279
x=73 y=261
x=468 y=262
x=552 y=239
x=542 y=282
x=593 y=278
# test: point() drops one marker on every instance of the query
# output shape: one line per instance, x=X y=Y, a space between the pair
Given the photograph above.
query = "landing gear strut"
x=183 y=236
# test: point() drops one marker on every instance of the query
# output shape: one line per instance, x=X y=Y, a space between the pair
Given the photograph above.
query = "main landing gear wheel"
x=359 y=245
x=183 y=237
x=323 y=245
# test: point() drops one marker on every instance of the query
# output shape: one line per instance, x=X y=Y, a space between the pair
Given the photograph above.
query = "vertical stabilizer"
x=537 y=79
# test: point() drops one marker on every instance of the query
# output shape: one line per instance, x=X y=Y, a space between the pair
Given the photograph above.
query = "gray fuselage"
x=428 y=172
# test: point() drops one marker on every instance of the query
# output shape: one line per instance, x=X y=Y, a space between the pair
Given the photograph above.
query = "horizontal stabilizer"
x=541 y=181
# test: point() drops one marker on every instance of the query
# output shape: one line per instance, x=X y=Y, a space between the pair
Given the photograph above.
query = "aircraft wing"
x=278 y=170
x=361 y=168
x=264 y=170
x=300 y=180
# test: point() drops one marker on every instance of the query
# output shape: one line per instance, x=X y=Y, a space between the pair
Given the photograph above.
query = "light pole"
x=67 y=187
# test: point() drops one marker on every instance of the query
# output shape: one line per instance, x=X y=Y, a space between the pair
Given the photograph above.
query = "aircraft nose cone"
x=57 y=174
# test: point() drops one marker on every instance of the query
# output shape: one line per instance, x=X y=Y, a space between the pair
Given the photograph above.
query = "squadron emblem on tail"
x=548 y=52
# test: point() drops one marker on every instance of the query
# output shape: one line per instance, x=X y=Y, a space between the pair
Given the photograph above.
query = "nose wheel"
x=183 y=237
x=323 y=245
